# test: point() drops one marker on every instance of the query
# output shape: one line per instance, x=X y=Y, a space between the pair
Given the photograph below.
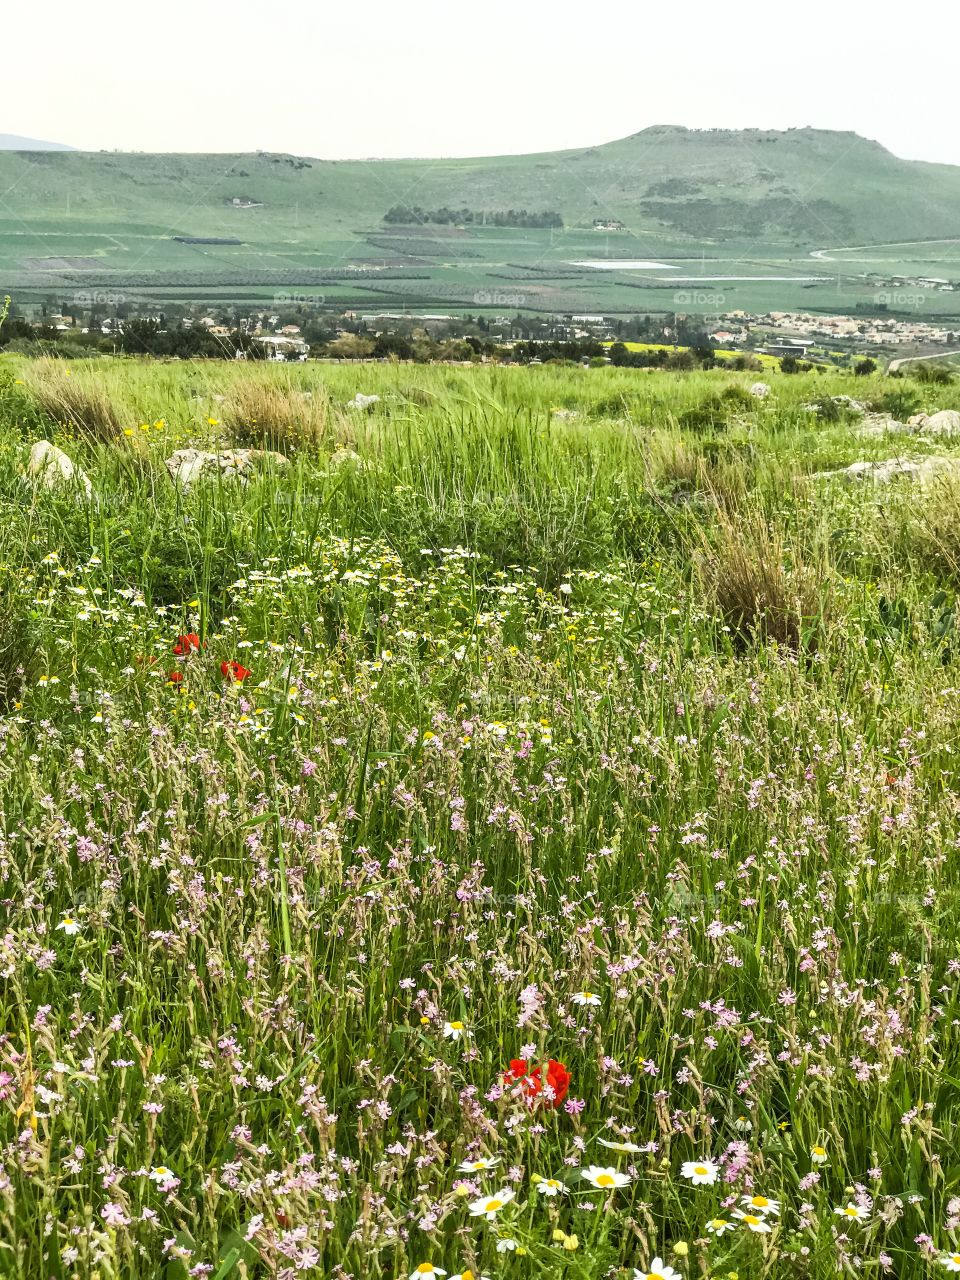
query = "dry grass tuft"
x=271 y=415
x=82 y=407
x=760 y=589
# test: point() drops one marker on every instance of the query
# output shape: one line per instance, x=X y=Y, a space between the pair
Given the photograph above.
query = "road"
x=936 y=355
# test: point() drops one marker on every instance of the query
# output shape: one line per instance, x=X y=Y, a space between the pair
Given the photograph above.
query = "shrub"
x=713 y=413
x=937 y=375
x=900 y=404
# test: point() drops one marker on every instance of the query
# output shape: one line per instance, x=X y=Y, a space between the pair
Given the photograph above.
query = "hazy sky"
x=424 y=78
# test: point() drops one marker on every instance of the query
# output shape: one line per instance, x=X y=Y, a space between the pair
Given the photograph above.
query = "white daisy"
x=468 y=1275
x=586 y=997
x=719 y=1226
x=69 y=926
x=856 y=1212
x=702 y=1173
x=658 y=1271
x=951 y=1261
x=605 y=1179
x=760 y=1204
x=489 y=1206
x=160 y=1173
x=630 y=1147
x=479 y=1165
x=753 y=1221
x=507 y=1244
x=454 y=1030
x=548 y=1186
x=426 y=1271
x=818 y=1155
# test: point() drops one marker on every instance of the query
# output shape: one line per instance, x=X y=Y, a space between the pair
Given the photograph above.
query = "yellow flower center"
x=494 y=1205
x=760 y=1202
x=751 y=1218
x=456 y=1026
x=467 y=1275
x=604 y=1180
x=819 y=1151
x=700 y=1170
x=425 y=1269
x=850 y=1211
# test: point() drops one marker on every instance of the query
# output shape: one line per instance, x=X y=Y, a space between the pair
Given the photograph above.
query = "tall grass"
x=570 y=736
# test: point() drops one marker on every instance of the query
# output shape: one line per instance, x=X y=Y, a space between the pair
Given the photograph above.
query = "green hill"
x=182 y=222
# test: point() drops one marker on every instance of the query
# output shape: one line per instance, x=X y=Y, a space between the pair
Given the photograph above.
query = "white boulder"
x=361 y=401
x=887 y=469
x=52 y=468
x=944 y=423
x=187 y=465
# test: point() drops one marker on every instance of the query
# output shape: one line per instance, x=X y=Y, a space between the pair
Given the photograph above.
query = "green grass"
x=547 y=695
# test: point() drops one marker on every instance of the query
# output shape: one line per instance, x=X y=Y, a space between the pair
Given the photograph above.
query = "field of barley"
x=510 y=829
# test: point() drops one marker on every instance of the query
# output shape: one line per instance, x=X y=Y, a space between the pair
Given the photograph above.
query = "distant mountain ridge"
x=794 y=187
x=14 y=142
x=737 y=212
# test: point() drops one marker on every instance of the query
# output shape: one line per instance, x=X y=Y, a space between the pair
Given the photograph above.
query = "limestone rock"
x=187 y=465
x=52 y=468
x=360 y=401
x=944 y=423
x=883 y=471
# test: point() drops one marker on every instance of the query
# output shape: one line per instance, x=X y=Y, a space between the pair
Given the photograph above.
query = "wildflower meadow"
x=508 y=826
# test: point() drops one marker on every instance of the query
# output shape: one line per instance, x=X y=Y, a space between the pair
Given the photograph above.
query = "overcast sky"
x=420 y=77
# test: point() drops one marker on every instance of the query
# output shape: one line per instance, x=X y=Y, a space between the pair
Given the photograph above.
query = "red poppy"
x=175 y=677
x=185 y=644
x=232 y=670
x=530 y=1084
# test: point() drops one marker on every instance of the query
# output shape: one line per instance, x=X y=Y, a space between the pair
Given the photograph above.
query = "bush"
x=900 y=404
x=936 y=375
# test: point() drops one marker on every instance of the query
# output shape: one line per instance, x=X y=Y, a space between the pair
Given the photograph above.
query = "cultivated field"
x=513 y=832
x=748 y=219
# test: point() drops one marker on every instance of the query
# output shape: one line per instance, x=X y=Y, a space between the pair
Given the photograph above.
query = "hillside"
x=746 y=196
x=14 y=142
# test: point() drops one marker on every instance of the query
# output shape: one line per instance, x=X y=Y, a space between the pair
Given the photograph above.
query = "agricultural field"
x=750 y=219
x=511 y=829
